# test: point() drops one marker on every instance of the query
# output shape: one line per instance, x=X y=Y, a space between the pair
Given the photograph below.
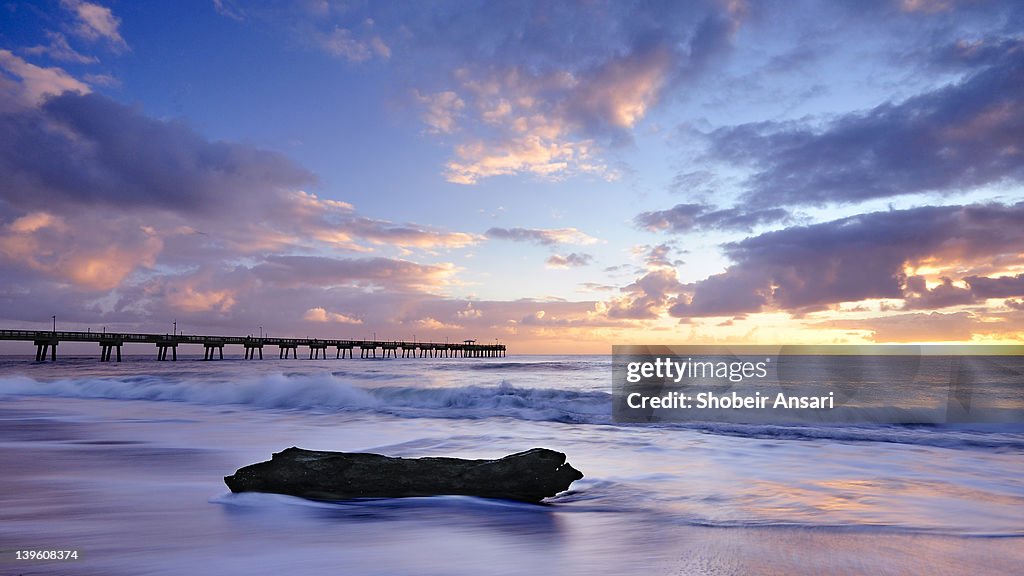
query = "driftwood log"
x=528 y=476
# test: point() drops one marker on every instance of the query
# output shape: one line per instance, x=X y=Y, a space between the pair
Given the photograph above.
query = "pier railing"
x=46 y=342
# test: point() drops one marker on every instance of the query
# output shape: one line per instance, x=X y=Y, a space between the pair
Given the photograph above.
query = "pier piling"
x=44 y=346
x=107 y=347
x=315 y=350
x=211 y=348
x=251 y=348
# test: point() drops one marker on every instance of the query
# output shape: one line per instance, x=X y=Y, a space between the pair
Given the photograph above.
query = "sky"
x=556 y=176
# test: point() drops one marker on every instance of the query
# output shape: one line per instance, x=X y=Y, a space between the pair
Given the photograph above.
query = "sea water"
x=124 y=464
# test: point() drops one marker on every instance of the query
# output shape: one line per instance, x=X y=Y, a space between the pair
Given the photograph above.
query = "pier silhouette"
x=110 y=343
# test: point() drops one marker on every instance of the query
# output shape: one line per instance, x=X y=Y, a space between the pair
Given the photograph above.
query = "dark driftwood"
x=526 y=476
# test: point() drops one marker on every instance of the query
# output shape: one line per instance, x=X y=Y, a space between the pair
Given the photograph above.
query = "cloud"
x=432 y=324
x=370 y=273
x=527 y=88
x=1001 y=287
x=856 y=258
x=545 y=237
x=229 y=9
x=547 y=319
x=529 y=154
x=956 y=138
x=343 y=43
x=59 y=49
x=320 y=314
x=469 y=312
x=679 y=218
x=919 y=296
x=110 y=216
x=654 y=257
x=87 y=149
x=411 y=235
x=619 y=93
x=572 y=260
x=102 y=80
x=927 y=6
x=189 y=295
x=95 y=22
x=34 y=83
x=546 y=89
x=127 y=214
x=916 y=327
x=336 y=223
x=440 y=110
x=683 y=218
x=49 y=245
x=647 y=297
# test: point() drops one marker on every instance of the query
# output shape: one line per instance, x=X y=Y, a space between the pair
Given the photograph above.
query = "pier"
x=110 y=345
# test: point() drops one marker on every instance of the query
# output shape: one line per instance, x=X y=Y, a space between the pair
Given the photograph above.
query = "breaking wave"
x=329 y=393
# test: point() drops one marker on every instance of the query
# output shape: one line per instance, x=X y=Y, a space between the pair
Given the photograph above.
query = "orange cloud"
x=47 y=243
x=623 y=90
x=527 y=154
x=429 y=323
x=320 y=314
x=189 y=299
x=108 y=268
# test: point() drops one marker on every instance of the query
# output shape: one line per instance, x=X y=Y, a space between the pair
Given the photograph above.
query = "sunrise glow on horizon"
x=559 y=177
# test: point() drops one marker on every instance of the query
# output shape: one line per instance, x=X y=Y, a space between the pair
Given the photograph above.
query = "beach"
x=124 y=464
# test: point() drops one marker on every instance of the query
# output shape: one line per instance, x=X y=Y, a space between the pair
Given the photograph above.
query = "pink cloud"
x=320 y=314
x=96 y=22
x=34 y=82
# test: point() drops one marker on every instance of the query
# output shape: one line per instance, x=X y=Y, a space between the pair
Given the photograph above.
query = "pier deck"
x=110 y=343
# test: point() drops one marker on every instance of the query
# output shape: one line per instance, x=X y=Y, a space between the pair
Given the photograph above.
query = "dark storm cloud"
x=810 y=267
x=87 y=149
x=958 y=137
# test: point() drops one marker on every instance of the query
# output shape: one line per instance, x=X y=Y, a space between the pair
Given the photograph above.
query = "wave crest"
x=327 y=392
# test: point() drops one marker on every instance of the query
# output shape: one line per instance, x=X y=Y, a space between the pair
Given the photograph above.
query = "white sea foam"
x=324 y=392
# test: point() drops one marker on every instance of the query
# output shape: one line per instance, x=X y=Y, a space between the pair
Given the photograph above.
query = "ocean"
x=124 y=464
